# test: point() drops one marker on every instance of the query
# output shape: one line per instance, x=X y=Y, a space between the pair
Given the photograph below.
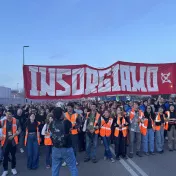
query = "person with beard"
x=61 y=136
x=22 y=120
x=91 y=127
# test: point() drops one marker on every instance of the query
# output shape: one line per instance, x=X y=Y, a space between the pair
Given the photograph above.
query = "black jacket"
x=67 y=134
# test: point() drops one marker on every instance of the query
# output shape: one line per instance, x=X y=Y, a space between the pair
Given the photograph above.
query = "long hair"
x=146 y=114
x=28 y=122
x=47 y=118
x=122 y=111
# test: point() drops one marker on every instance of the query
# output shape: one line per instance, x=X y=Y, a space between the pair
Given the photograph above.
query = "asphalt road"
x=158 y=165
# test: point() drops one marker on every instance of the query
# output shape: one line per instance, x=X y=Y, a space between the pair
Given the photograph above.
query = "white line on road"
x=137 y=167
x=142 y=173
x=125 y=165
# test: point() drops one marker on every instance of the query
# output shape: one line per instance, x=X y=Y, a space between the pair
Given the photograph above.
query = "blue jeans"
x=148 y=138
x=159 y=139
x=48 y=154
x=89 y=141
x=106 y=142
x=1 y=154
x=66 y=154
x=21 y=139
x=32 y=152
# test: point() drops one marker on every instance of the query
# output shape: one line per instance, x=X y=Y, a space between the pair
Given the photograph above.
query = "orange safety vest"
x=47 y=140
x=72 y=118
x=96 y=121
x=105 y=129
x=144 y=126
x=38 y=136
x=124 y=129
x=166 y=122
x=4 y=131
x=132 y=114
x=158 y=119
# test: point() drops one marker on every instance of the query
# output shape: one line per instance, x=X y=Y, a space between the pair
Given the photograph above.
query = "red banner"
x=78 y=81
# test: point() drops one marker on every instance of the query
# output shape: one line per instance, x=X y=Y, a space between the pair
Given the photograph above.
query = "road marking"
x=137 y=167
x=125 y=164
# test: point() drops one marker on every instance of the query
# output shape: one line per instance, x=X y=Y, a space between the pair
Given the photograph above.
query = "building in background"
x=5 y=92
x=8 y=96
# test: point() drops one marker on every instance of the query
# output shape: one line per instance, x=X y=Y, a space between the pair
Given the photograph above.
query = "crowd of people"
x=68 y=128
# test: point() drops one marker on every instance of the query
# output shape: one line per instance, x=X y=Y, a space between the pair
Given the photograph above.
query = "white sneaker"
x=112 y=160
x=64 y=164
x=105 y=158
x=77 y=163
x=21 y=150
x=14 y=171
x=4 y=173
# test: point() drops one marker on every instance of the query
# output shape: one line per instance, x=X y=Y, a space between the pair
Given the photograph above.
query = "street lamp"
x=23 y=65
x=23 y=52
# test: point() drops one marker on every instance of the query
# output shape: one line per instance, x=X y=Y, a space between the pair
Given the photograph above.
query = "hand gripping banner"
x=78 y=81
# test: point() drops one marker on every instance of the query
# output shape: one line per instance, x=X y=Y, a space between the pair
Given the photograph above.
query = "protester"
x=76 y=124
x=105 y=133
x=171 y=115
x=147 y=130
x=81 y=134
x=143 y=106
x=91 y=126
x=10 y=130
x=62 y=143
x=87 y=126
x=120 y=124
x=160 y=125
x=135 y=122
x=22 y=120
x=41 y=117
x=47 y=141
x=32 y=142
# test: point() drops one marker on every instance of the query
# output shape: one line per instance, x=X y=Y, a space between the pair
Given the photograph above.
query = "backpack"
x=58 y=134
